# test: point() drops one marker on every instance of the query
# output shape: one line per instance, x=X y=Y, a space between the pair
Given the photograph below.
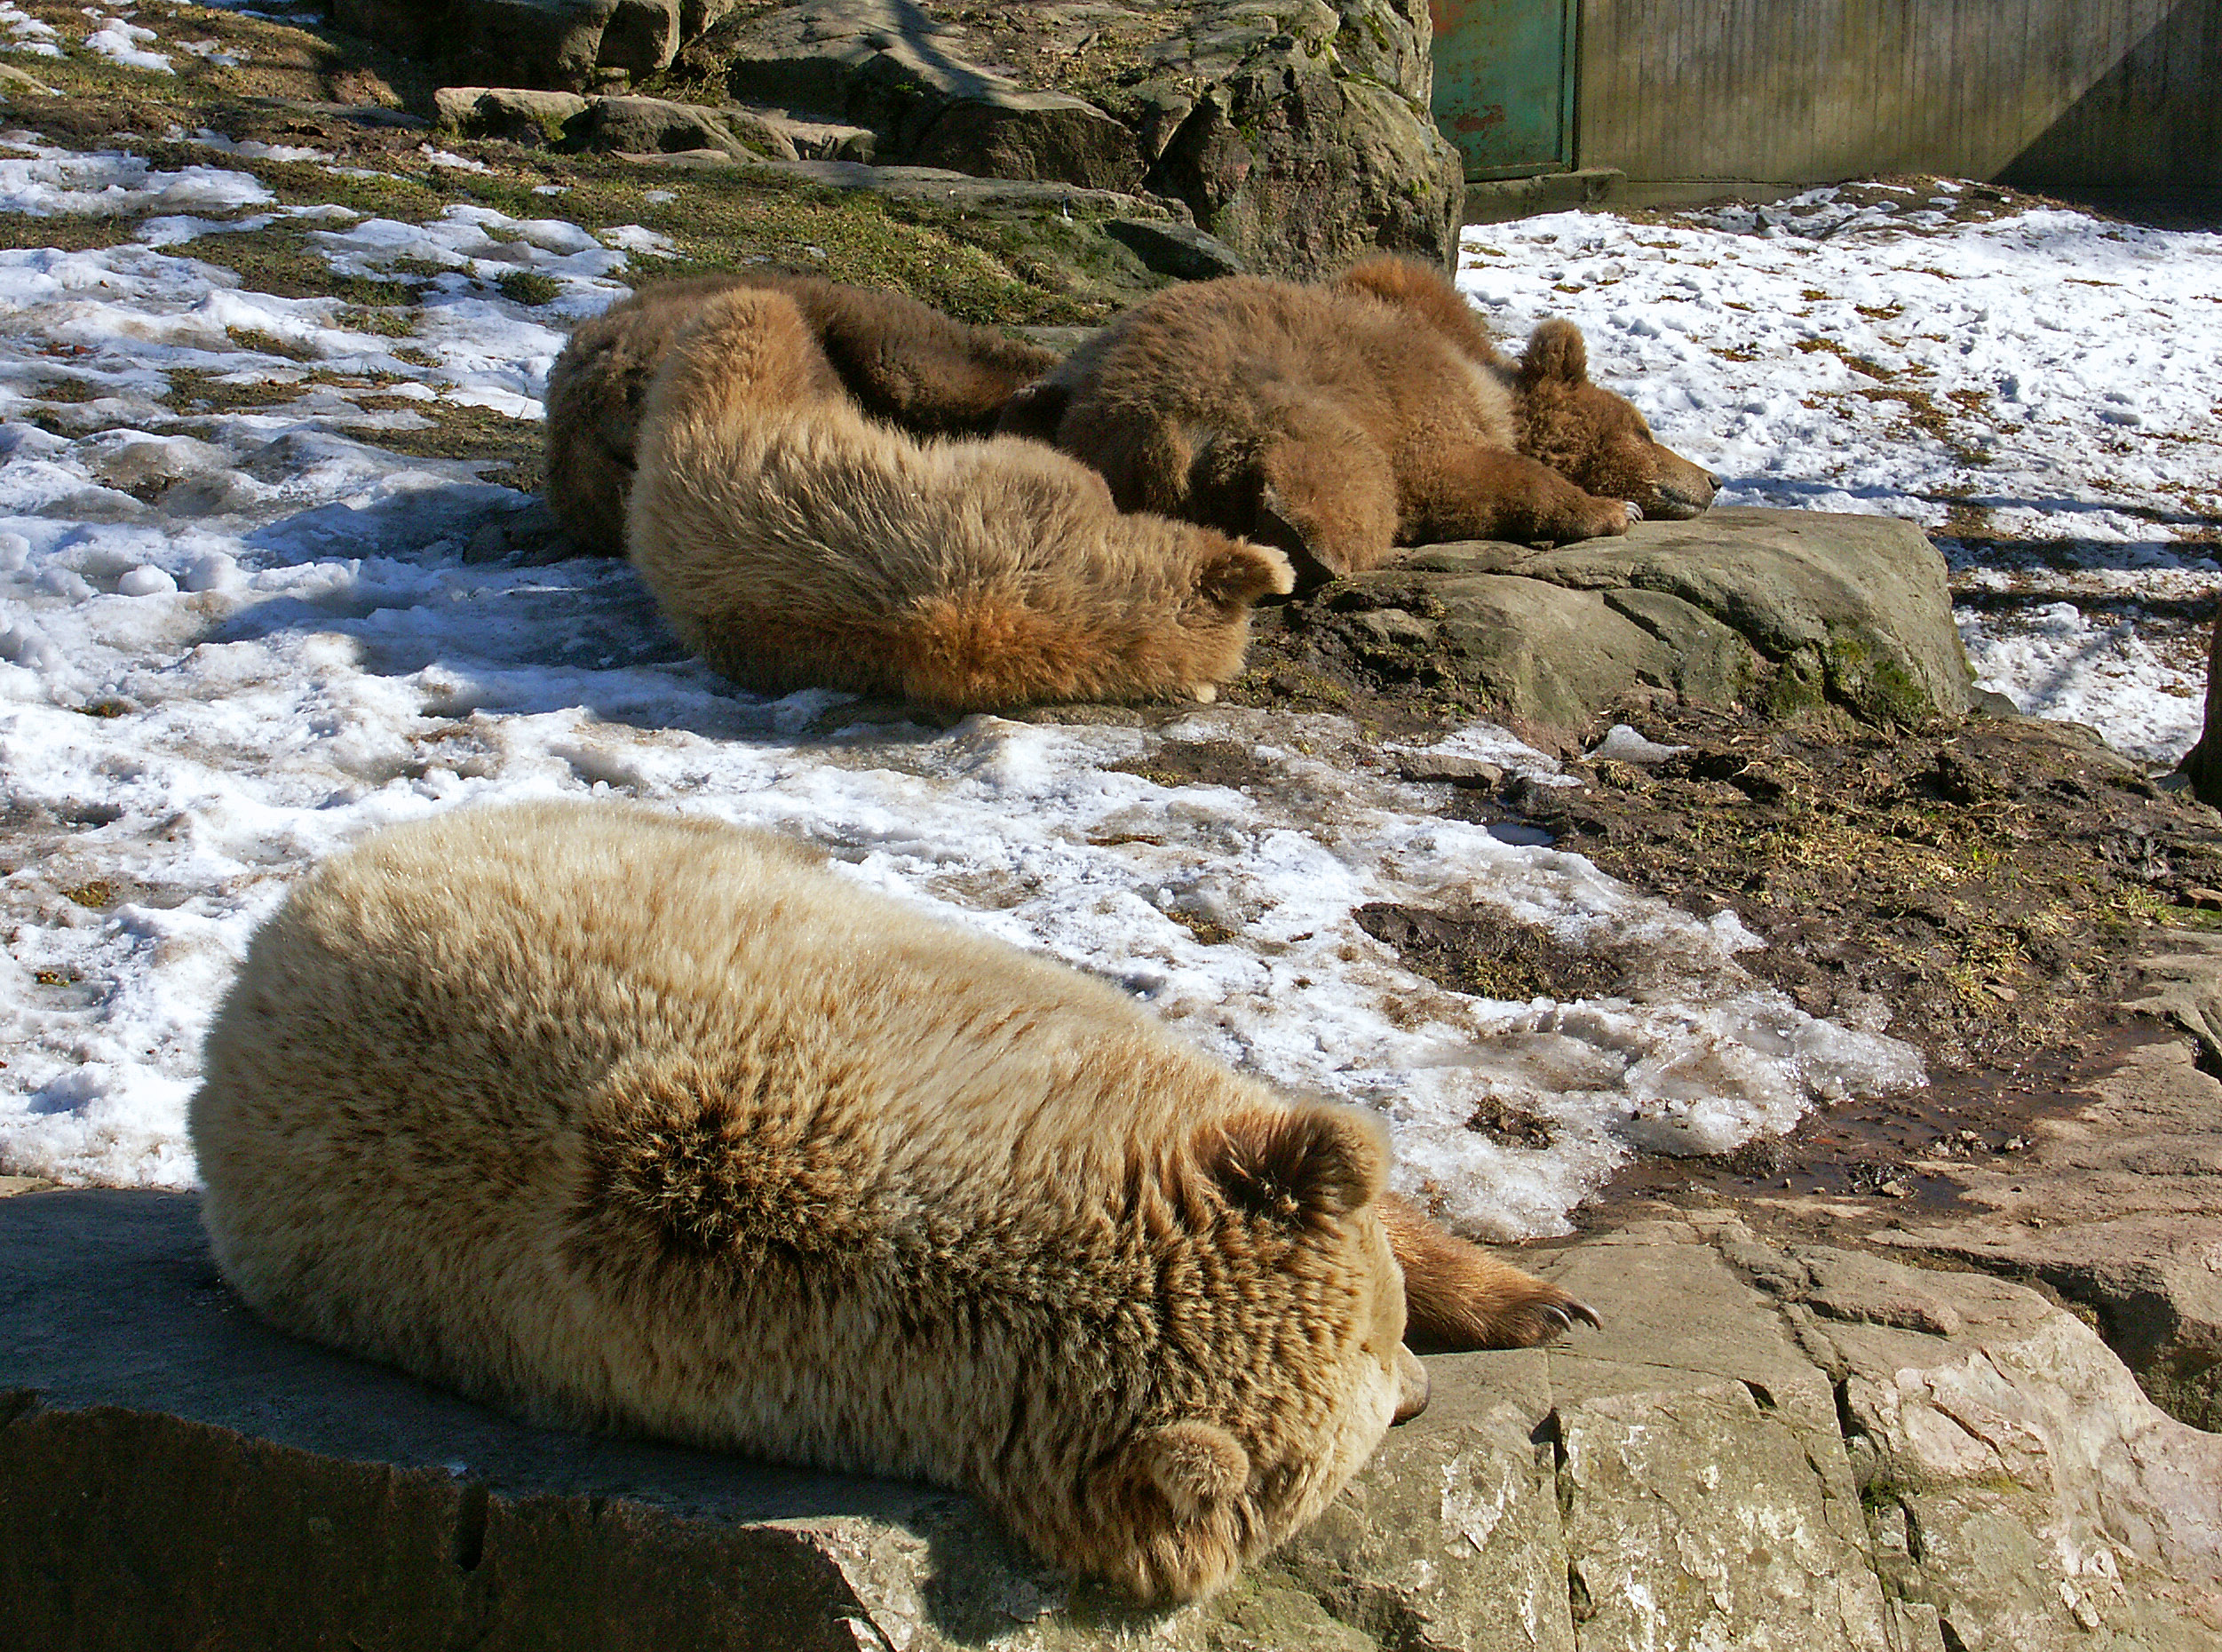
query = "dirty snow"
x=231 y=642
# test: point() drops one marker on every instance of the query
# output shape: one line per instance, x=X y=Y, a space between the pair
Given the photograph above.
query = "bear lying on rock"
x=1340 y=420
x=624 y=1122
x=903 y=361
x=794 y=542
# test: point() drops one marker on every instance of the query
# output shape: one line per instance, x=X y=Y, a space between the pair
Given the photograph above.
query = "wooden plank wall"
x=2069 y=93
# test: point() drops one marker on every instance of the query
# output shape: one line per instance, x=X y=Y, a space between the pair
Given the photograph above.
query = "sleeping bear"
x=623 y=1122
x=793 y=542
x=1340 y=420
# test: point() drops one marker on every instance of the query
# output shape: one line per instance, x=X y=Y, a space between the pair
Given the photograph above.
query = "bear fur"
x=904 y=362
x=793 y=543
x=1338 y=421
x=622 y=1122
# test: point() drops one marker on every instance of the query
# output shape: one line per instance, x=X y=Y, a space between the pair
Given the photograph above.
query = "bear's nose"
x=1713 y=480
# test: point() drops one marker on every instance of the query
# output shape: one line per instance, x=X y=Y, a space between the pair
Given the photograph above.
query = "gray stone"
x=552 y=44
x=656 y=126
x=1303 y=170
x=1180 y=251
x=2115 y=1204
x=1041 y=135
x=1780 y=1465
x=885 y=64
x=1857 y=605
x=640 y=37
x=515 y=114
x=2021 y=1484
x=1787 y=611
x=1296 y=132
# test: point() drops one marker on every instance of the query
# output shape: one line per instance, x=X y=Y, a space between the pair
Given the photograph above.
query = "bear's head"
x=1595 y=439
x=1280 y=1362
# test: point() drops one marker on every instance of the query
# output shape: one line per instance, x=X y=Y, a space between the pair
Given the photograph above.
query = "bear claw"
x=1567 y=1312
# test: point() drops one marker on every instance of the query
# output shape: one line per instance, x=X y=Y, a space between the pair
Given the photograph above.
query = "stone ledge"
x=1806 y=1447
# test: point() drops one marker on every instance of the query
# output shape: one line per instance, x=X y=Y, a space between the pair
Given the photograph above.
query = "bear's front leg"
x=1493 y=493
x=1457 y=1297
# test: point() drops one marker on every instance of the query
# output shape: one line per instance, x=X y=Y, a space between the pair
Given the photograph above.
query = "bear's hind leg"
x=1457 y=1297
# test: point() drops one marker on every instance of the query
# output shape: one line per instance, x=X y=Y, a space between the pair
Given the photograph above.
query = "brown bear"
x=793 y=542
x=1337 y=421
x=904 y=361
x=624 y=1122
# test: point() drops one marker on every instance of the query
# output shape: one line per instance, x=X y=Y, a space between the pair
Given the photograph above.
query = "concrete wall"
x=1701 y=95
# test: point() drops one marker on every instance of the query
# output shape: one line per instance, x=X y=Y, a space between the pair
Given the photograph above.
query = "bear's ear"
x=1555 y=350
x=1308 y=1160
x=1236 y=573
x=1196 y=1468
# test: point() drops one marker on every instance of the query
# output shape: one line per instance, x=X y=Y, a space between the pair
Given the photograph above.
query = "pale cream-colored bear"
x=624 y=1122
x=794 y=542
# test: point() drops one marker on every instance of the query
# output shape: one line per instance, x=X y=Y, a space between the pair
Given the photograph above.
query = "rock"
x=1303 y=170
x=656 y=126
x=1180 y=251
x=884 y=64
x=553 y=44
x=1797 y=612
x=2113 y=1203
x=513 y=113
x=1041 y=135
x=1297 y=133
x=641 y=36
x=2020 y=1486
x=1852 y=609
x=1759 y=1451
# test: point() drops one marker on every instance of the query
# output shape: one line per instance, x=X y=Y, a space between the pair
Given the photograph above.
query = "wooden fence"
x=1700 y=96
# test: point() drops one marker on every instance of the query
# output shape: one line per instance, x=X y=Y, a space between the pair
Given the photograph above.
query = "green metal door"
x=1504 y=84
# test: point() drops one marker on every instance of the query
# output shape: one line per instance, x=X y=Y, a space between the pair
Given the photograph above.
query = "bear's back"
x=447 y=1082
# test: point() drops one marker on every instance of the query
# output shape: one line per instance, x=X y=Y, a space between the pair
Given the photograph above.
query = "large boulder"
x=1300 y=133
x=1788 y=611
x=1296 y=132
x=554 y=46
x=1801 y=1448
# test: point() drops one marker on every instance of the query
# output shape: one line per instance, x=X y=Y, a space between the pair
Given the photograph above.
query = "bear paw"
x=1457 y=1297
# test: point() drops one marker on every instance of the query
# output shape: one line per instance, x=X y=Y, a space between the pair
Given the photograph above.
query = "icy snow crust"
x=2061 y=369
x=229 y=649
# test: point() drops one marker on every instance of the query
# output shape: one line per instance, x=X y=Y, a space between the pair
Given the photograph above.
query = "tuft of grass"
x=528 y=287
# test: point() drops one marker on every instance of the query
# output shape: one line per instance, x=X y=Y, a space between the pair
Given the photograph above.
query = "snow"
x=232 y=642
x=2037 y=389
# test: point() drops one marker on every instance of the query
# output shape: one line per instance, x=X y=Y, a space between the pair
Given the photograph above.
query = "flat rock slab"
x=1791 y=611
x=1805 y=1449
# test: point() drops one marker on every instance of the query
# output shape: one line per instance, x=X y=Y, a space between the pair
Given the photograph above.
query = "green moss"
x=1872 y=683
x=528 y=287
x=1798 y=686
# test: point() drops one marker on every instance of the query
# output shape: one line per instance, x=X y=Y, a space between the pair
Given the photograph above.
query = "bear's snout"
x=1680 y=489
